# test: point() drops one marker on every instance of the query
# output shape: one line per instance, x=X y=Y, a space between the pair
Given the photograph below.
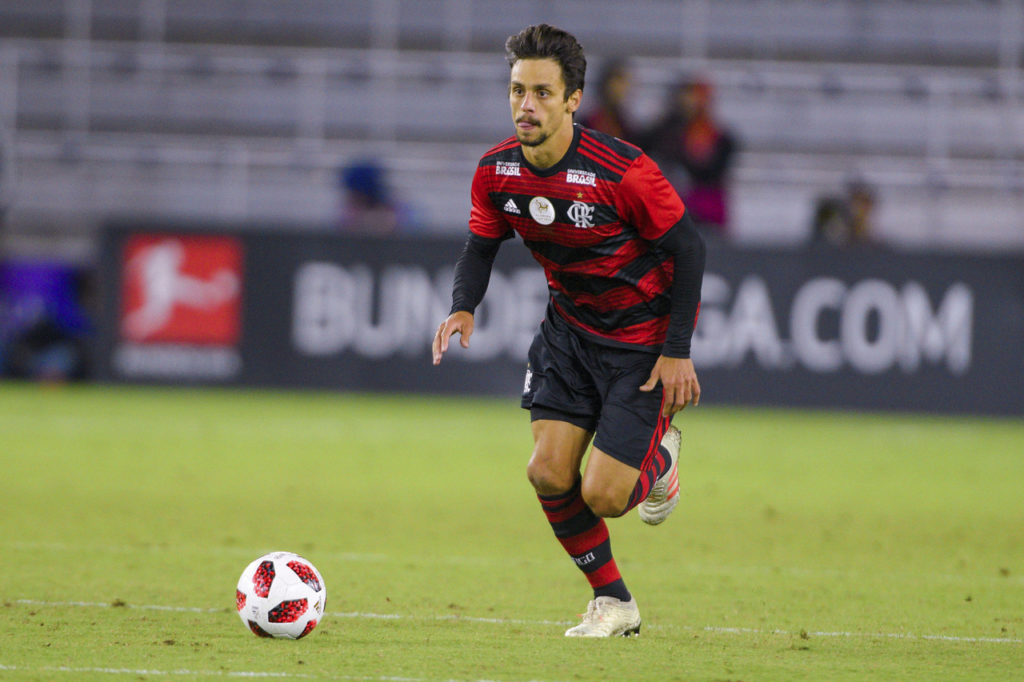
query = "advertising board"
x=814 y=328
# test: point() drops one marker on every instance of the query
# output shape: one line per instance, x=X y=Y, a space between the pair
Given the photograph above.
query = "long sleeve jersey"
x=624 y=263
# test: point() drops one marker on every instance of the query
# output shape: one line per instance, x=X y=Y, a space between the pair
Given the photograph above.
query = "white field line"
x=253 y=674
x=867 y=635
x=515 y=621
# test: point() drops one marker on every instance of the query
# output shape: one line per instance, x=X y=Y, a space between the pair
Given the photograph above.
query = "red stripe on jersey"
x=645 y=290
x=597 y=141
x=594 y=147
x=507 y=143
x=615 y=299
x=551 y=267
x=557 y=234
x=588 y=136
x=653 y=283
x=525 y=185
x=601 y=265
x=596 y=159
x=647 y=333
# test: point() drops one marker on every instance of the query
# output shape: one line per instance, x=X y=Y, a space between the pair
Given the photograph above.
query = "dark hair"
x=547 y=42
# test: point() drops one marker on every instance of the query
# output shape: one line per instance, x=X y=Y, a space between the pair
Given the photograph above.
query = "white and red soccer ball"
x=281 y=595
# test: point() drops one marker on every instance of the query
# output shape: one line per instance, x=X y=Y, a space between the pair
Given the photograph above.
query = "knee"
x=603 y=501
x=547 y=478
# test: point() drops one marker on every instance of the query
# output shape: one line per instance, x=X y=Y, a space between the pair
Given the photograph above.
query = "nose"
x=526 y=104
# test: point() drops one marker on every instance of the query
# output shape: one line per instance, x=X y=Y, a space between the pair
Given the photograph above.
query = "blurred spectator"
x=845 y=220
x=367 y=206
x=44 y=329
x=44 y=325
x=609 y=115
x=696 y=152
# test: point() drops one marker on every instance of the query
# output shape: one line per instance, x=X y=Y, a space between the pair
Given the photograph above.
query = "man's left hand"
x=679 y=382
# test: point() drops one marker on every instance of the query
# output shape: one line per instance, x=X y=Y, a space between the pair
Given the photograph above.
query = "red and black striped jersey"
x=592 y=221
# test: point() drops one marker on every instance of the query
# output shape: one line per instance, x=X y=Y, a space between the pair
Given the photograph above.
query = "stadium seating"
x=245 y=110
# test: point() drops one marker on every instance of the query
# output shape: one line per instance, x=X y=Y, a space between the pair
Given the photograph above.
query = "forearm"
x=473 y=272
x=686 y=246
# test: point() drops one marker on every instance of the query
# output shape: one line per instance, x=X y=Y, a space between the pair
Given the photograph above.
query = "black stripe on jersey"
x=634 y=272
x=588 y=284
x=501 y=199
x=603 y=160
x=655 y=309
x=610 y=150
x=603 y=170
x=638 y=268
x=601 y=214
x=566 y=255
x=620 y=151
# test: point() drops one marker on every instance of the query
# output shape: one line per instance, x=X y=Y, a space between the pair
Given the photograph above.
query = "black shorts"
x=596 y=387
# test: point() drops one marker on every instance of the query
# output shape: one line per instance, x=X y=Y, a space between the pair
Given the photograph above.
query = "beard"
x=541 y=138
x=535 y=142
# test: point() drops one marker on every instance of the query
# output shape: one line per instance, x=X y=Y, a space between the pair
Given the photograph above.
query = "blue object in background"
x=43 y=326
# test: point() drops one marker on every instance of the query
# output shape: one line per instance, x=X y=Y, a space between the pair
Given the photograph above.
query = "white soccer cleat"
x=608 y=617
x=664 y=495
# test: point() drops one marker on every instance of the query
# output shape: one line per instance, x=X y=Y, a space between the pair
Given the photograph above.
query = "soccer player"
x=611 y=360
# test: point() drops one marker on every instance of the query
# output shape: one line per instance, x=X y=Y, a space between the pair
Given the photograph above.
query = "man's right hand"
x=460 y=322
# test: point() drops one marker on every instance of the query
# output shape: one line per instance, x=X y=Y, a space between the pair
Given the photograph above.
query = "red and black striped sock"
x=584 y=535
x=654 y=466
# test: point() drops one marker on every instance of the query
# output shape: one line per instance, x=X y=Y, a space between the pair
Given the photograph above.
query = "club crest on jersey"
x=581 y=177
x=507 y=168
x=581 y=214
x=542 y=210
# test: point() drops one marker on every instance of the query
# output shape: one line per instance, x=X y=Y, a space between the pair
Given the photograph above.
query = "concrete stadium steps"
x=277 y=183
x=954 y=33
x=420 y=96
x=245 y=109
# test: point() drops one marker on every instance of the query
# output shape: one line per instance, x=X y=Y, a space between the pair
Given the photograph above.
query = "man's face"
x=537 y=97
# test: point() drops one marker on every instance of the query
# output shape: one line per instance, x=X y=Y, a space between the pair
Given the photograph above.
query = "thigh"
x=631 y=424
x=608 y=483
x=558 y=451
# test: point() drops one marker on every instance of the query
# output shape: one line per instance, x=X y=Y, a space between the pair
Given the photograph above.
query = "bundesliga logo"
x=182 y=289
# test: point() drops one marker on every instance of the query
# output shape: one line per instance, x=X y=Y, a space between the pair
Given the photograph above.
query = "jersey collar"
x=563 y=163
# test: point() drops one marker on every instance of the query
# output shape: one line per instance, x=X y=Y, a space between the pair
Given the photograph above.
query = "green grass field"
x=808 y=546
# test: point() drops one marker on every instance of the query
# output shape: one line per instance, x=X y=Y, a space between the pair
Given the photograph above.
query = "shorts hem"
x=628 y=461
x=582 y=421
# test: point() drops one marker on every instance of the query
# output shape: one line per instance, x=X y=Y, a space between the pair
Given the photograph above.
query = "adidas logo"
x=510 y=207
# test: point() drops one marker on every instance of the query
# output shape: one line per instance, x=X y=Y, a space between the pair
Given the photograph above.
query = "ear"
x=573 y=103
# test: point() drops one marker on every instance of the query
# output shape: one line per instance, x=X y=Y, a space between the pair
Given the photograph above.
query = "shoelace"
x=595 y=612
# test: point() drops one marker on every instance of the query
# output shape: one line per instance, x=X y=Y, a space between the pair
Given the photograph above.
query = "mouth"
x=527 y=123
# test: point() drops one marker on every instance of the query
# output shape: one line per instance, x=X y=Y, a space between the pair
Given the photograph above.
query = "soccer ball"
x=281 y=595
